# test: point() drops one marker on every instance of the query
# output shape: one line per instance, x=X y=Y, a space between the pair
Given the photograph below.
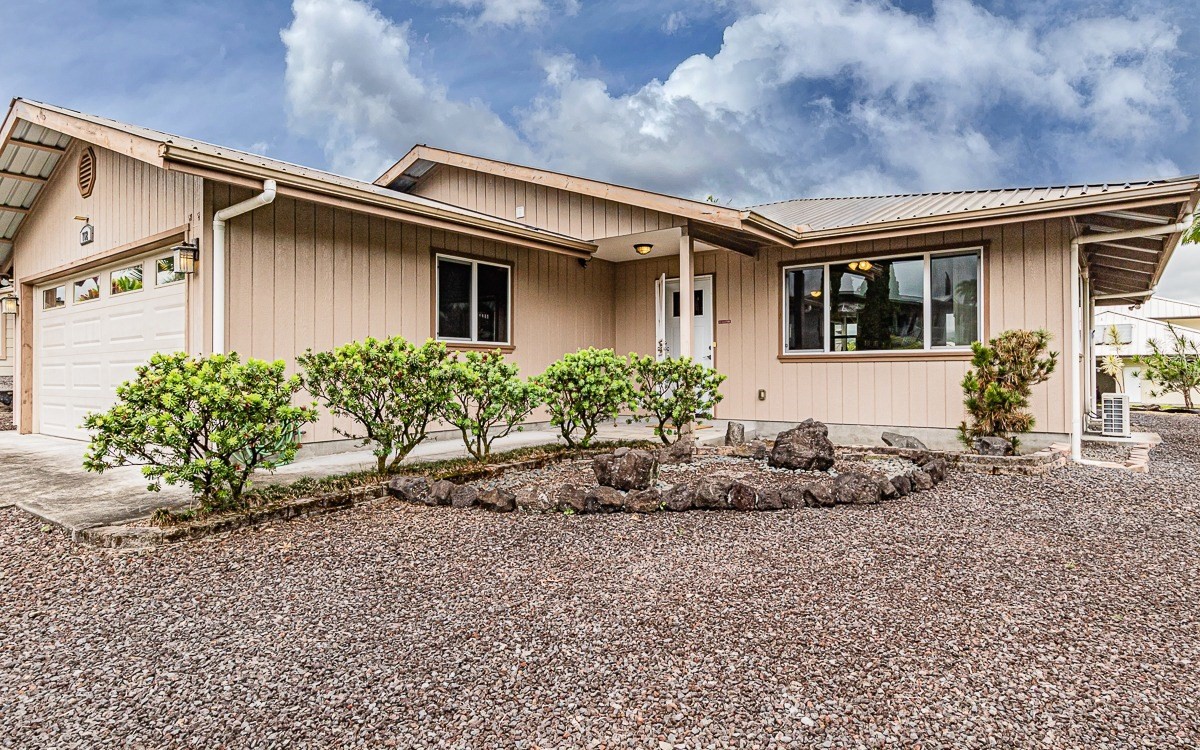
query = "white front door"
x=92 y=330
x=702 y=320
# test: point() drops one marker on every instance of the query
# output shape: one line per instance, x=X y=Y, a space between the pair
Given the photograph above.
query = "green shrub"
x=206 y=422
x=584 y=388
x=674 y=392
x=487 y=399
x=1000 y=381
x=1174 y=370
x=390 y=388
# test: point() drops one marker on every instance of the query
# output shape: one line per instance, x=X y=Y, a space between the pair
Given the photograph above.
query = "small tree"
x=206 y=422
x=1174 y=371
x=1112 y=364
x=390 y=388
x=487 y=399
x=584 y=388
x=1000 y=381
x=674 y=392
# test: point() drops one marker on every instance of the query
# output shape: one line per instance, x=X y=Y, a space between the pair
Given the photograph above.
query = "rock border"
x=1030 y=464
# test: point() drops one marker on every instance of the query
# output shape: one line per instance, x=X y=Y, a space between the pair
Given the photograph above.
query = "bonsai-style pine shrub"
x=584 y=388
x=673 y=393
x=487 y=399
x=390 y=388
x=1174 y=370
x=1000 y=381
x=205 y=422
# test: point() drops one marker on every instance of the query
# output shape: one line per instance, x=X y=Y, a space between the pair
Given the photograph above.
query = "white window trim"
x=926 y=257
x=154 y=265
x=113 y=293
x=474 y=314
x=99 y=289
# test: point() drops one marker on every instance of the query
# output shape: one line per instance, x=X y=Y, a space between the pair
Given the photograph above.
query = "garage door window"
x=87 y=289
x=54 y=297
x=165 y=271
x=126 y=280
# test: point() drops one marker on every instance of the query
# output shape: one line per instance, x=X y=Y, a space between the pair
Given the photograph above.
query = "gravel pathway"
x=1059 y=611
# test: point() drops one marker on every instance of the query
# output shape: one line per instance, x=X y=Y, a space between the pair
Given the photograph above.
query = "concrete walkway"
x=44 y=476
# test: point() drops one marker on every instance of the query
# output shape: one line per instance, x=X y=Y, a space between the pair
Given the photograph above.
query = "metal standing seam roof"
x=18 y=159
x=818 y=214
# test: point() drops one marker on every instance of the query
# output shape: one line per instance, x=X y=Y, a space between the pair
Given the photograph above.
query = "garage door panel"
x=85 y=350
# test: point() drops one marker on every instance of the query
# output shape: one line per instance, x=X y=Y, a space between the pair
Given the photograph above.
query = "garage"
x=92 y=329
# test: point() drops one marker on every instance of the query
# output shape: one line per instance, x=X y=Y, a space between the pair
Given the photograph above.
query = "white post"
x=1076 y=354
x=687 y=295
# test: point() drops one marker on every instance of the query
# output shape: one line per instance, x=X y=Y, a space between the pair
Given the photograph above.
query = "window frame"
x=115 y=293
x=474 y=263
x=75 y=300
x=64 y=287
x=154 y=264
x=927 y=348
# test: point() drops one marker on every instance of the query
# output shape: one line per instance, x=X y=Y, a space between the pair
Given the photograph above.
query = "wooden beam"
x=15 y=209
x=22 y=177
x=1133 y=266
x=24 y=408
x=1124 y=259
x=37 y=146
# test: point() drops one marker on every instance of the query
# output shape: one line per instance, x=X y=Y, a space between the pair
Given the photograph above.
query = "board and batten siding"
x=304 y=275
x=547 y=208
x=1026 y=285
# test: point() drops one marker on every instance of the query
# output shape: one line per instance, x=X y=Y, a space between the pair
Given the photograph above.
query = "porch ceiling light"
x=9 y=306
x=815 y=294
x=643 y=248
x=187 y=256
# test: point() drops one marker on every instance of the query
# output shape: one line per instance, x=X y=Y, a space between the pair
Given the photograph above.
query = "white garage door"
x=91 y=330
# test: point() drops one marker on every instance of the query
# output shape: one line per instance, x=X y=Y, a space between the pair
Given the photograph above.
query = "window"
x=1103 y=334
x=54 y=297
x=697 y=307
x=912 y=303
x=473 y=301
x=87 y=289
x=165 y=272
x=125 y=280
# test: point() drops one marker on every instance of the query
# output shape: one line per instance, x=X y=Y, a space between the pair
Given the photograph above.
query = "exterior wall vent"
x=1114 y=410
x=87 y=171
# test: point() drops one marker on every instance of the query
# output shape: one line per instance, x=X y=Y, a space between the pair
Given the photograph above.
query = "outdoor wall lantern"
x=187 y=256
x=9 y=306
x=643 y=248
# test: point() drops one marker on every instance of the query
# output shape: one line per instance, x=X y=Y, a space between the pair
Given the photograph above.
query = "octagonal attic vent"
x=87 y=171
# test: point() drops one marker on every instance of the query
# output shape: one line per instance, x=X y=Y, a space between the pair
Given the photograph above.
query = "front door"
x=702 y=320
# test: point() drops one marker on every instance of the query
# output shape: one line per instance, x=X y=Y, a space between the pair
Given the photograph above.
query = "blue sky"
x=746 y=100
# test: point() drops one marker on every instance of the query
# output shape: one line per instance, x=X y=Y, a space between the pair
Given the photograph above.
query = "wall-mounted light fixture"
x=643 y=248
x=9 y=306
x=87 y=233
x=187 y=256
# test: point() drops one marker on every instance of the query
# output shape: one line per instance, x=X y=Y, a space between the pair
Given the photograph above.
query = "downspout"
x=219 y=218
x=1078 y=343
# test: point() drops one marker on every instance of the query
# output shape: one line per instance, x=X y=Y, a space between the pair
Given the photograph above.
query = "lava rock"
x=712 y=493
x=770 y=500
x=818 y=495
x=743 y=497
x=992 y=446
x=758 y=450
x=602 y=499
x=680 y=497
x=903 y=485
x=644 y=501
x=735 y=433
x=936 y=468
x=792 y=497
x=887 y=490
x=439 y=492
x=572 y=497
x=464 y=496
x=920 y=479
x=856 y=489
x=409 y=489
x=498 y=500
x=805 y=447
x=680 y=452
x=626 y=469
x=897 y=440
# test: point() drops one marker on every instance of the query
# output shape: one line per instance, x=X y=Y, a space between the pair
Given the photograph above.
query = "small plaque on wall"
x=724 y=322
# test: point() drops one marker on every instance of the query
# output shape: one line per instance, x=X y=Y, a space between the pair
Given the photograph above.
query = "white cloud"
x=818 y=97
x=676 y=21
x=514 y=12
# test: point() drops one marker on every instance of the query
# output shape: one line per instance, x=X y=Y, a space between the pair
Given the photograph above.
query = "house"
x=1135 y=327
x=855 y=311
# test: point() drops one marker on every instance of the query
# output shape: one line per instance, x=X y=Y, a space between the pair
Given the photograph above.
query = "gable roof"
x=222 y=164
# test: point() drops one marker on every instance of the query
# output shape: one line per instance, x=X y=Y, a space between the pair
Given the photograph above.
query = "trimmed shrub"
x=673 y=393
x=487 y=399
x=1000 y=381
x=390 y=388
x=205 y=422
x=584 y=388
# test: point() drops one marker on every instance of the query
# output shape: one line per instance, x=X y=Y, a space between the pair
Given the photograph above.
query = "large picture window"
x=908 y=303
x=473 y=300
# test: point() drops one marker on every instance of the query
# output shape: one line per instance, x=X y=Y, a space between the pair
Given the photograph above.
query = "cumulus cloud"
x=820 y=97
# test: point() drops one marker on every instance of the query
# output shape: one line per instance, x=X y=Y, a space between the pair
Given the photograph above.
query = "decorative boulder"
x=409 y=489
x=804 y=448
x=887 y=489
x=818 y=496
x=464 y=496
x=856 y=489
x=792 y=497
x=896 y=440
x=604 y=500
x=735 y=433
x=643 y=501
x=439 y=492
x=712 y=493
x=743 y=497
x=770 y=500
x=903 y=485
x=626 y=469
x=936 y=468
x=920 y=479
x=572 y=498
x=679 y=452
x=498 y=500
x=758 y=450
x=993 y=446
x=680 y=497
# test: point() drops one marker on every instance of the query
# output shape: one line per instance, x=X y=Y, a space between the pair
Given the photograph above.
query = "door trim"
x=712 y=319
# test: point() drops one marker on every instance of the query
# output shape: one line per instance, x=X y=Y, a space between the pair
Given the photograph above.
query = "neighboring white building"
x=1137 y=326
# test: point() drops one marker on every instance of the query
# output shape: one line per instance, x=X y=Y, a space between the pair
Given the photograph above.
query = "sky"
x=748 y=101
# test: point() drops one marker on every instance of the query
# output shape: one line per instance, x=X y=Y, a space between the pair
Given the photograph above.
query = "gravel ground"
x=6 y=418
x=1114 y=452
x=1056 y=611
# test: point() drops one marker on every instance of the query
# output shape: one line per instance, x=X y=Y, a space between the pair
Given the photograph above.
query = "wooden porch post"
x=687 y=294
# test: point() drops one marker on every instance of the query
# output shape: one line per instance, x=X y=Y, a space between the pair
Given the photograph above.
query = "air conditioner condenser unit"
x=1114 y=414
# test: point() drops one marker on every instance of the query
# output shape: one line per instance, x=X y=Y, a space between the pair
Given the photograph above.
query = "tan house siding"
x=1026 y=286
x=547 y=208
x=303 y=275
